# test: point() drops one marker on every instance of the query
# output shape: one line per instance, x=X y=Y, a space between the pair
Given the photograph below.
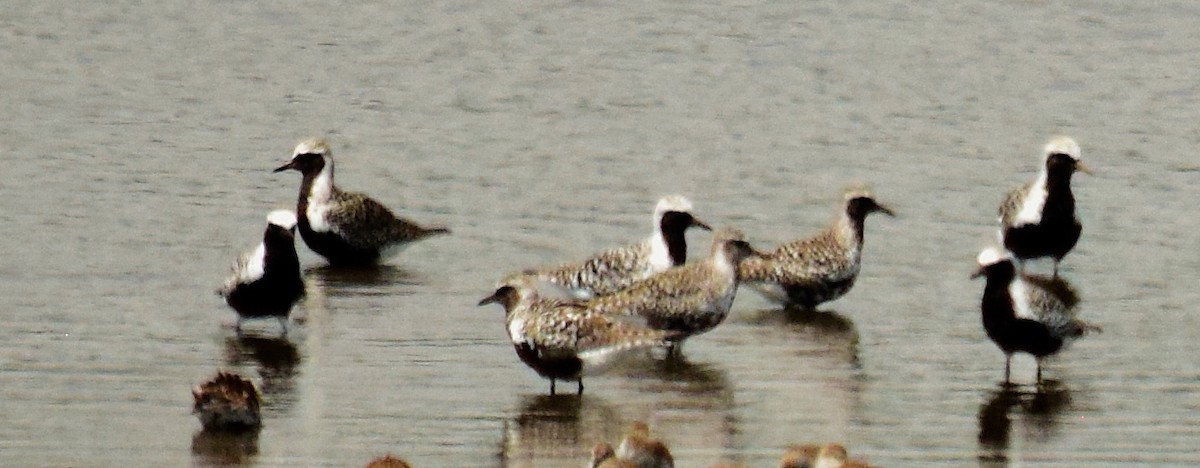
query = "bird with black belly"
x=562 y=339
x=1038 y=220
x=1023 y=316
x=266 y=282
x=347 y=228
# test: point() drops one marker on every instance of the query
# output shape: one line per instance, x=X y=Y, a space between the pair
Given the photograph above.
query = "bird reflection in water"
x=554 y=427
x=675 y=373
x=277 y=360
x=363 y=281
x=220 y=448
x=1040 y=412
x=835 y=333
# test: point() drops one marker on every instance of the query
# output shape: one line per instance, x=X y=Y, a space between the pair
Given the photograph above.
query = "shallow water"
x=140 y=141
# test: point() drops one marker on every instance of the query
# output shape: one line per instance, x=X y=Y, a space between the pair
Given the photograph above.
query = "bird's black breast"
x=567 y=368
x=334 y=248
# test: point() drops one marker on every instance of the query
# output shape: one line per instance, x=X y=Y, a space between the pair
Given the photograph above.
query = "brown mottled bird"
x=836 y=456
x=227 y=402
x=346 y=228
x=603 y=456
x=800 y=456
x=615 y=269
x=821 y=268
x=688 y=299
x=564 y=339
x=1038 y=219
x=388 y=461
x=642 y=450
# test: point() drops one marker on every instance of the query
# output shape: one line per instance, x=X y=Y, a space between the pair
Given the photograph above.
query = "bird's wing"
x=1012 y=205
x=366 y=223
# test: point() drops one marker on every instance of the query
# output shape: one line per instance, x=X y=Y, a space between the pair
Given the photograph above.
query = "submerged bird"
x=227 y=402
x=689 y=299
x=836 y=456
x=563 y=339
x=800 y=456
x=346 y=228
x=615 y=269
x=1021 y=315
x=642 y=450
x=807 y=272
x=267 y=282
x=817 y=456
x=603 y=456
x=388 y=461
x=1038 y=220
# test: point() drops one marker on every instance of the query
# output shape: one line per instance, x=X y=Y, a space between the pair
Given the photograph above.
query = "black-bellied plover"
x=807 y=272
x=642 y=450
x=689 y=299
x=227 y=402
x=1038 y=220
x=617 y=268
x=1021 y=316
x=267 y=281
x=563 y=339
x=346 y=228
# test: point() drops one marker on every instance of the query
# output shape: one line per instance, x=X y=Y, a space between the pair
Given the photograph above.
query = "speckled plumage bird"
x=800 y=456
x=266 y=282
x=603 y=456
x=346 y=228
x=642 y=450
x=615 y=269
x=807 y=272
x=388 y=461
x=689 y=299
x=836 y=456
x=563 y=339
x=227 y=402
x=1020 y=315
x=1038 y=220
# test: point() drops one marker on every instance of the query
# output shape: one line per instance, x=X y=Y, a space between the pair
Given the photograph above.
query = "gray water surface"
x=139 y=140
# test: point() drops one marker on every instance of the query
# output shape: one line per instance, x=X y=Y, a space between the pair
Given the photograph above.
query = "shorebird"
x=1038 y=220
x=563 y=339
x=388 y=461
x=644 y=451
x=615 y=269
x=603 y=456
x=800 y=456
x=227 y=402
x=1022 y=315
x=821 y=268
x=689 y=299
x=346 y=228
x=267 y=282
x=836 y=456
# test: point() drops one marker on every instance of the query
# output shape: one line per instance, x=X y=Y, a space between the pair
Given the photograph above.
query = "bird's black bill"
x=488 y=300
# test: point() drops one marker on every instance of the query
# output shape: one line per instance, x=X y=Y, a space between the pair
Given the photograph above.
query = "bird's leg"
x=551 y=387
x=283 y=324
x=1039 y=370
x=237 y=327
x=580 y=386
x=1007 y=366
